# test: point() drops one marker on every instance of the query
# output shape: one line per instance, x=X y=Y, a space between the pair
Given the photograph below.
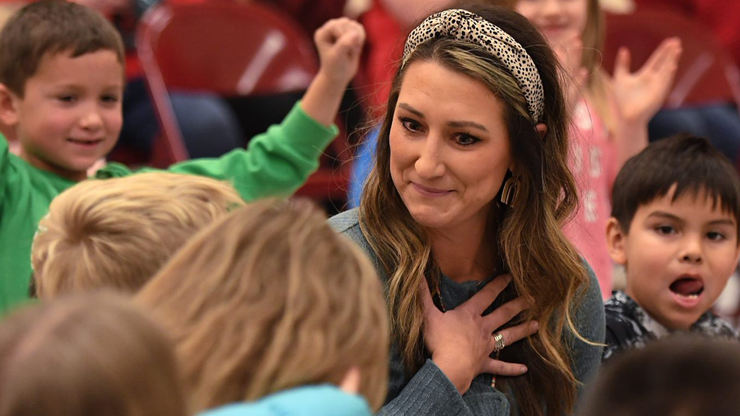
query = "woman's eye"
x=410 y=125
x=715 y=236
x=67 y=98
x=466 y=139
x=665 y=230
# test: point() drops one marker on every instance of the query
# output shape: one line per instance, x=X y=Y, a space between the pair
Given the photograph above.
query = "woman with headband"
x=493 y=312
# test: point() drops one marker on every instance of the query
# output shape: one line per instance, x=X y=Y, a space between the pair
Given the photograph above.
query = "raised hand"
x=639 y=95
x=461 y=340
x=340 y=42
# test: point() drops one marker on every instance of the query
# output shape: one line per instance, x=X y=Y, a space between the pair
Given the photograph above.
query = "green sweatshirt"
x=276 y=163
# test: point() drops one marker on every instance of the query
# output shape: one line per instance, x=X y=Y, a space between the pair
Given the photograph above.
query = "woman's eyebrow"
x=459 y=124
x=455 y=124
x=411 y=110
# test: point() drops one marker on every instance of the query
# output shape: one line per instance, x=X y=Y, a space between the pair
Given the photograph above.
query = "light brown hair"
x=597 y=82
x=117 y=233
x=270 y=298
x=544 y=265
x=48 y=27
x=87 y=356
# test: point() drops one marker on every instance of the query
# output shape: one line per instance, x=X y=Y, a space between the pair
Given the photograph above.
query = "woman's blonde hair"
x=545 y=267
x=87 y=355
x=270 y=298
x=117 y=233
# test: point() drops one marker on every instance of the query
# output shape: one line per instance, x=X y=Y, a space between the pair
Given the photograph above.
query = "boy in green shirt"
x=61 y=85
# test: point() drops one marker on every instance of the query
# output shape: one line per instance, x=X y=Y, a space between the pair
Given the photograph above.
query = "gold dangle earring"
x=510 y=188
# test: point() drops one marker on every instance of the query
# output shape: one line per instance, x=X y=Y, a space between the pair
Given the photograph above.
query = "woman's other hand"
x=461 y=340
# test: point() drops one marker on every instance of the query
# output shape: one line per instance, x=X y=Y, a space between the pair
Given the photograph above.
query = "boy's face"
x=678 y=257
x=70 y=114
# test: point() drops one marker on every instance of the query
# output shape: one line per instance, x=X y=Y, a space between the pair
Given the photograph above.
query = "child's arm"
x=278 y=162
x=570 y=55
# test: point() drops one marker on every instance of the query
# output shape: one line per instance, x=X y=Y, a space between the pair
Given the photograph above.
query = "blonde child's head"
x=270 y=298
x=61 y=85
x=117 y=233
x=87 y=356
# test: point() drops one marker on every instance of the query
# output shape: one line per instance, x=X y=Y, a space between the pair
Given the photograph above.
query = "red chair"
x=706 y=73
x=233 y=50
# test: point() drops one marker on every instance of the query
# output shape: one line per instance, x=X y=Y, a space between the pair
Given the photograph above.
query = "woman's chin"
x=430 y=218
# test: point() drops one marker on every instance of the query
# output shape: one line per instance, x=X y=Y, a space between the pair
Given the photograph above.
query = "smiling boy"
x=674 y=226
x=61 y=86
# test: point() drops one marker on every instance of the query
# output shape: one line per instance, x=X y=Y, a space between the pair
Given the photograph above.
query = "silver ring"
x=500 y=344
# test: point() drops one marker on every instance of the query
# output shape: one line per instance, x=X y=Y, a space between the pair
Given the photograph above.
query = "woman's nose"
x=430 y=163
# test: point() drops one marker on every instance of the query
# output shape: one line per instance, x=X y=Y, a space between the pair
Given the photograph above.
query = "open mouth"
x=688 y=287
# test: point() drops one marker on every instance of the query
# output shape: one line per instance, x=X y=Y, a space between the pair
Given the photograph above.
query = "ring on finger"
x=499 y=343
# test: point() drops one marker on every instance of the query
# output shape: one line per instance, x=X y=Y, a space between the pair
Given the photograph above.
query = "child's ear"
x=351 y=381
x=615 y=240
x=8 y=106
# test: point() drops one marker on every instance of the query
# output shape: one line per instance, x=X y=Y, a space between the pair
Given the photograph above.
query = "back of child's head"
x=117 y=233
x=87 y=356
x=685 y=165
x=271 y=298
x=48 y=27
x=676 y=376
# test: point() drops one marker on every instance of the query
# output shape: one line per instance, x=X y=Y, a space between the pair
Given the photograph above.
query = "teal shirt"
x=276 y=163
x=323 y=400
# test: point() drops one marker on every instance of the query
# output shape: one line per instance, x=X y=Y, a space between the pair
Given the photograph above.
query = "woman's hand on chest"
x=461 y=340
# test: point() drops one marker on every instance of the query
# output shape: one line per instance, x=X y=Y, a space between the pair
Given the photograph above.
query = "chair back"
x=231 y=49
x=706 y=73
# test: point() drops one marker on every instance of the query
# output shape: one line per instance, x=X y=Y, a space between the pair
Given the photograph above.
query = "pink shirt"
x=592 y=161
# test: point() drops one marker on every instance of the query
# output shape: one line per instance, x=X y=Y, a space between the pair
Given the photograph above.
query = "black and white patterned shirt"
x=630 y=326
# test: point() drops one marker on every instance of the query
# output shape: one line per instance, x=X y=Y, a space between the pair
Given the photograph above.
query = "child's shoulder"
x=713 y=326
x=625 y=324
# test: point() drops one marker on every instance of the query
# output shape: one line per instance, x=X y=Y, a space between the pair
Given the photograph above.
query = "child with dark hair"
x=674 y=226
x=688 y=376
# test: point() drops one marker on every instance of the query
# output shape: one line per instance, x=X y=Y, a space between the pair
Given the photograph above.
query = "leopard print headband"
x=464 y=25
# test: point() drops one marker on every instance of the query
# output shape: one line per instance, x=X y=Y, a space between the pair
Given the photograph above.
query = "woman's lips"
x=430 y=192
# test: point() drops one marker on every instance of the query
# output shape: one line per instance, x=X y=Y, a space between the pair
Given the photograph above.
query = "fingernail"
x=522 y=369
x=535 y=325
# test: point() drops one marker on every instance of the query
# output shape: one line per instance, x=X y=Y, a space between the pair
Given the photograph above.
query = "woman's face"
x=449 y=147
x=557 y=19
